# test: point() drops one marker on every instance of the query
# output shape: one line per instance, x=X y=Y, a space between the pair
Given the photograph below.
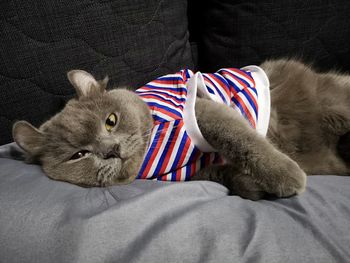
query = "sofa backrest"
x=132 y=42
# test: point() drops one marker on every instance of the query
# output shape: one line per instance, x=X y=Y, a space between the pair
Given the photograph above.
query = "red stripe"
x=176 y=81
x=163 y=177
x=223 y=85
x=168 y=113
x=161 y=93
x=151 y=96
x=217 y=88
x=170 y=149
x=155 y=150
x=178 y=174
x=170 y=91
x=244 y=87
x=246 y=111
x=184 y=152
x=243 y=73
x=194 y=164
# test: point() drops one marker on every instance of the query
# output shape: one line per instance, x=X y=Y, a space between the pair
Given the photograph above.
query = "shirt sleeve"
x=189 y=116
x=262 y=86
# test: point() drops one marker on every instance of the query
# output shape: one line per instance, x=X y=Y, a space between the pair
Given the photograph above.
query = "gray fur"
x=80 y=126
x=310 y=111
x=254 y=167
x=303 y=126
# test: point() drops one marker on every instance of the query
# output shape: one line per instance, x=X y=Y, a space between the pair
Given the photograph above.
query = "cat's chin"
x=120 y=181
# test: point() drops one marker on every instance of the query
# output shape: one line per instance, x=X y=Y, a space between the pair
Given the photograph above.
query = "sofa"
x=133 y=42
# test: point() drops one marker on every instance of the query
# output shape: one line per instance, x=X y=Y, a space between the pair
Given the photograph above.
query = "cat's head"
x=98 y=139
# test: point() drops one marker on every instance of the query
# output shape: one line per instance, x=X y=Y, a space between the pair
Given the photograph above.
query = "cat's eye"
x=111 y=121
x=79 y=154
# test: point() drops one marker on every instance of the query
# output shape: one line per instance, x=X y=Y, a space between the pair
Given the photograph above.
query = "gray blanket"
x=147 y=221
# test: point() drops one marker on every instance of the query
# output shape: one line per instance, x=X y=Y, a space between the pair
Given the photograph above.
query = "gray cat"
x=100 y=139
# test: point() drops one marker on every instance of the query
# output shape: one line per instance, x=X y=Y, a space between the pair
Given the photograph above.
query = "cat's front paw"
x=286 y=181
x=281 y=178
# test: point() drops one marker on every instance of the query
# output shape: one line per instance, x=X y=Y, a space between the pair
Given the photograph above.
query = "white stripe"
x=249 y=107
x=164 y=85
x=176 y=75
x=241 y=86
x=162 y=115
x=167 y=176
x=163 y=103
x=188 y=154
x=222 y=90
x=183 y=173
x=175 y=150
x=154 y=132
x=262 y=85
x=165 y=98
x=144 y=91
x=207 y=83
x=241 y=76
x=161 y=149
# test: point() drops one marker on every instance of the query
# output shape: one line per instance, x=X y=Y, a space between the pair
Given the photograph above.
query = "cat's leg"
x=254 y=166
x=335 y=123
x=238 y=180
x=336 y=119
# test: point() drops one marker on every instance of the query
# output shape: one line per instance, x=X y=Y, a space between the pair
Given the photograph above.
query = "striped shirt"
x=177 y=149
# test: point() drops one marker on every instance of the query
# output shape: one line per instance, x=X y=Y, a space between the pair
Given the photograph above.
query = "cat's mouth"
x=111 y=172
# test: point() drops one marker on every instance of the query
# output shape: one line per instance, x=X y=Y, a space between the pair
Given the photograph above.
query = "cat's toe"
x=286 y=181
x=292 y=181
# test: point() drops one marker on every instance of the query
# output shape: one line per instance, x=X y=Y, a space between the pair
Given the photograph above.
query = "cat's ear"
x=85 y=84
x=29 y=138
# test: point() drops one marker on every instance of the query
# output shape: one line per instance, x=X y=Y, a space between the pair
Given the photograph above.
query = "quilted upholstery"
x=242 y=32
x=133 y=41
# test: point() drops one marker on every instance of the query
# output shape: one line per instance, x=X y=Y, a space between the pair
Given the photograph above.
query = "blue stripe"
x=154 y=91
x=173 y=176
x=232 y=84
x=250 y=75
x=174 y=111
x=193 y=154
x=188 y=171
x=190 y=163
x=254 y=90
x=244 y=81
x=240 y=109
x=236 y=76
x=159 y=119
x=163 y=99
x=223 y=80
x=167 y=147
x=188 y=75
x=183 y=90
x=251 y=102
x=179 y=151
x=177 y=78
x=151 y=150
x=217 y=89
x=244 y=92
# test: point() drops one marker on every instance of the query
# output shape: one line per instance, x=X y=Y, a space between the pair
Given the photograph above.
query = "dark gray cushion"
x=242 y=32
x=131 y=41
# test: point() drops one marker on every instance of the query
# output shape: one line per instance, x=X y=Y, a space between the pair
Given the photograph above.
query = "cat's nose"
x=111 y=154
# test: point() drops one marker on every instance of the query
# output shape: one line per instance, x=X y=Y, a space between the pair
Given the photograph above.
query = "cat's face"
x=98 y=140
